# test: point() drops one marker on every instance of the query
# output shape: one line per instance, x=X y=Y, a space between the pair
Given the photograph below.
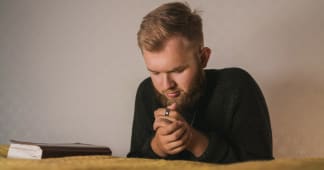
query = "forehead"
x=177 y=51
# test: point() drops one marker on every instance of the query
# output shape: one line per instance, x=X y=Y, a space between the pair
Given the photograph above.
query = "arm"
x=248 y=135
x=142 y=131
x=198 y=143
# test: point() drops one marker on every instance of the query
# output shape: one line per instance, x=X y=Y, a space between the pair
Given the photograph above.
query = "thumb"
x=173 y=106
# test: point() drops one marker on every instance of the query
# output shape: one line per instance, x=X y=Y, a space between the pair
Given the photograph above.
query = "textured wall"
x=69 y=69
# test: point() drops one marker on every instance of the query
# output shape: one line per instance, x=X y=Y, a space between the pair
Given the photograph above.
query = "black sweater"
x=232 y=113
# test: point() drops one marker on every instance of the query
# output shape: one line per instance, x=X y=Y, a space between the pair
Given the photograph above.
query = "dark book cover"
x=52 y=150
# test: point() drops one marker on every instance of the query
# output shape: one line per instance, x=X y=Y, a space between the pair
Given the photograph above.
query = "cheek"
x=185 y=80
x=156 y=83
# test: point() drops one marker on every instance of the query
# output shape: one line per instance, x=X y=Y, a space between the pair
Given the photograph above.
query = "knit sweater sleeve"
x=248 y=136
x=142 y=131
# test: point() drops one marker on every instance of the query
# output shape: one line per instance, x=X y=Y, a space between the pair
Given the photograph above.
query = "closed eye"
x=178 y=69
x=154 y=73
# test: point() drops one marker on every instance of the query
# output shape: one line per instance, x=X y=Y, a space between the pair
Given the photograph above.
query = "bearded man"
x=184 y=111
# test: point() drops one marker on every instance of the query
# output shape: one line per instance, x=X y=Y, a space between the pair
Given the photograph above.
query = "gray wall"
x=69 y=69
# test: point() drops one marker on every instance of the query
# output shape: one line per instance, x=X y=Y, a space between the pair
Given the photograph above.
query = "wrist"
x=198 y=143
x=156 y=149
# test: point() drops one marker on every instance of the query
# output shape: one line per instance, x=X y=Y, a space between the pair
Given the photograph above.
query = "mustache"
x=172 y=90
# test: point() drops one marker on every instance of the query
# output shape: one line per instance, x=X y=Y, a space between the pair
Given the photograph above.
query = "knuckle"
x=167 y=148
x=181 y=142
x=155 y=113
x=178 y=135
x=173 y=138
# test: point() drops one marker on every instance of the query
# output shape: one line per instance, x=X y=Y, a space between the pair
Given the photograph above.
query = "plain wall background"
x=69 y=69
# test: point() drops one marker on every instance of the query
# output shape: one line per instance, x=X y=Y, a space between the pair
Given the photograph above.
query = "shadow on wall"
x=296 y=109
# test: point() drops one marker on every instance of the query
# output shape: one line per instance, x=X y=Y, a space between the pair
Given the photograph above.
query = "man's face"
x=176 y=72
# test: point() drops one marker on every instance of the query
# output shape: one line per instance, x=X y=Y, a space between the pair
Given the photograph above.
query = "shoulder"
x=230 y=83
x=145 y=85
x=231 y=77
x=145 y=101
x=145 y=88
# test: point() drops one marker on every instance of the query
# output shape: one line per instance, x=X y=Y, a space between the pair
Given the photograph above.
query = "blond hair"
x=166 y=21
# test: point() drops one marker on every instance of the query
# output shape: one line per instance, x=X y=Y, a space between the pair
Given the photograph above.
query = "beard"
x=186 y=100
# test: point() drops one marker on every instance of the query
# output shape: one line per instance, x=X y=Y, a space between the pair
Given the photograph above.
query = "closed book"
x=30 y=150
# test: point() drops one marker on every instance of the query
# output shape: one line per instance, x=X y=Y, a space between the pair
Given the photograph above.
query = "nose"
x=168 y=82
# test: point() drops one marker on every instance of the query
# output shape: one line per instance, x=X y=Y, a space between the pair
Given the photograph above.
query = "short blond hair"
x=166 y=21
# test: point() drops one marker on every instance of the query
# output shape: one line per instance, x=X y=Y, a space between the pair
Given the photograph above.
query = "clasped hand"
x=172 y=133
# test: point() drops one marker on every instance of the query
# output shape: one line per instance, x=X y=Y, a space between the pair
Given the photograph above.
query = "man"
x=185 y=112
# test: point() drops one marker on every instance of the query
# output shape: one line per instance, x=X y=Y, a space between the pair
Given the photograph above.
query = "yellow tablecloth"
x=109 y=162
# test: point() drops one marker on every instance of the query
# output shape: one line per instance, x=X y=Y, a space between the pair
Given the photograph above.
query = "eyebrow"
x=172 y=70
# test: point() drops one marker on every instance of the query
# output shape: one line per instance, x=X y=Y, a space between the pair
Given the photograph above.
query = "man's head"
x=170 y=20
x=171 y=40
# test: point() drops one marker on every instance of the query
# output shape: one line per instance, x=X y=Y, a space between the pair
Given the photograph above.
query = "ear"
x=204 y=56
